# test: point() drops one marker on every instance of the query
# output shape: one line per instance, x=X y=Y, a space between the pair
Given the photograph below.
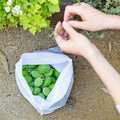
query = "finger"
x=61 y=32
x=56 y=28
x=62 y=43
x=66 y=36
x=78 y=24
x=72 y=10
x=69 y=29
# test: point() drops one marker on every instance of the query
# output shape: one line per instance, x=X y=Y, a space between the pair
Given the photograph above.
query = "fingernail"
x=64 y=23
x=59 y=22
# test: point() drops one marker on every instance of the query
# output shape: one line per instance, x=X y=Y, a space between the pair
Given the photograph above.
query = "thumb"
x=68 y=28
x=77 y=24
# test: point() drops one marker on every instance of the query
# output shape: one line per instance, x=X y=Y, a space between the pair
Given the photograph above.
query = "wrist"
x=112 y=22
x=92 y=53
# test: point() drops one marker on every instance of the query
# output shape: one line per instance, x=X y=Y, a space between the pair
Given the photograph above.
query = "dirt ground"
x=90 y=100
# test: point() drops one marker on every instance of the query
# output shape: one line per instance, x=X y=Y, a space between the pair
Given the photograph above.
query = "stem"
x=52 y=34
x=78 y=1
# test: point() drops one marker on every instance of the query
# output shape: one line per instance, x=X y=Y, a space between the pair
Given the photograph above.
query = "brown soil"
x=89 y=100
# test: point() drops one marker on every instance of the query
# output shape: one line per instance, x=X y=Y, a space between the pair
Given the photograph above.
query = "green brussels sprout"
x=49 y=73
x=46 y=91
x=31 y=84
x=36 y=90
x=53 y=79
x=56 y=73
x=47 y=81
x=31 y=88
x=28 y=78
x=31 y=66
x=38 y=82
x=23 y=67
x=25 y=72
x=36 y=74
x=43 y=68
x=42 y=95
x=51 y=86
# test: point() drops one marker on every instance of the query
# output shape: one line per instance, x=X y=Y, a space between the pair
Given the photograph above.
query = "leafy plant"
x=31 y=14
x=107 y=6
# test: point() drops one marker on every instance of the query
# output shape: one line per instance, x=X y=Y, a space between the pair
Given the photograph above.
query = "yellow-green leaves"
x=54 y=8
x=31 y=14
x=55 y=2
x=42 y=1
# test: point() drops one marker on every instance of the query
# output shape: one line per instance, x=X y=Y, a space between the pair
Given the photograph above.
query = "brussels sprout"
x=31 y=66
x=36 y=74
x=47 y=81
x=36 y=90
x=25 y=72
x=46 y=91
x=49 y=73
x=43 y=68
x=51 y=86
x=28 y=78
x=31 y=84
x=23 y=67
x=31 y=88
x=38 y=82
x=53 y=79
x=42 y=95
x=56 y=73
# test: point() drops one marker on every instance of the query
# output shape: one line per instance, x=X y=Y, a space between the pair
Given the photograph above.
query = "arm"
x=113 y=22
x=106 y=72
x=92 y=19
x=77 y=43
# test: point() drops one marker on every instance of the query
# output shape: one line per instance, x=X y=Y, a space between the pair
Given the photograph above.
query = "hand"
x=92 y=19
x=70 y=41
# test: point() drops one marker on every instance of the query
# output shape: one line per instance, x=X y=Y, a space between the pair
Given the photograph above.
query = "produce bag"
x=62 y=88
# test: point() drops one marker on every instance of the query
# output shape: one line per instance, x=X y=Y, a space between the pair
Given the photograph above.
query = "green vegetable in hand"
x=38 y=82
x=46 y=91
x=47 y=81
x=36 y=90
x=43 y=68
x=28 y=78
x=42 y=95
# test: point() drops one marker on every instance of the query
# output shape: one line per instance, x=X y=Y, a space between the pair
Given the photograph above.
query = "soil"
x=89 y=100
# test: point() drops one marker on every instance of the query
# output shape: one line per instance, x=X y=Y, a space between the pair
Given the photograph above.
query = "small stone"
x=71 y=106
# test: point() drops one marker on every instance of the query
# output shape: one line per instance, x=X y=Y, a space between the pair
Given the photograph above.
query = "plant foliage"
x=107 y=6
x=32 y=14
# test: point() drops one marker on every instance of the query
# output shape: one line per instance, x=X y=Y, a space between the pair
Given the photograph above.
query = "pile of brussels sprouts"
x=40 y=78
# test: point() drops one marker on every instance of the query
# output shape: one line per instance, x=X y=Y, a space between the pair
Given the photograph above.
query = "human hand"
x=92 y=19
x=71 y=41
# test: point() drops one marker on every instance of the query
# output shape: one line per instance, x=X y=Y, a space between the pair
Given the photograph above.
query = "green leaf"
x=56 y=2
x=54 y=8
x=42 y=1
x=9 y=16
x=33 y=30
